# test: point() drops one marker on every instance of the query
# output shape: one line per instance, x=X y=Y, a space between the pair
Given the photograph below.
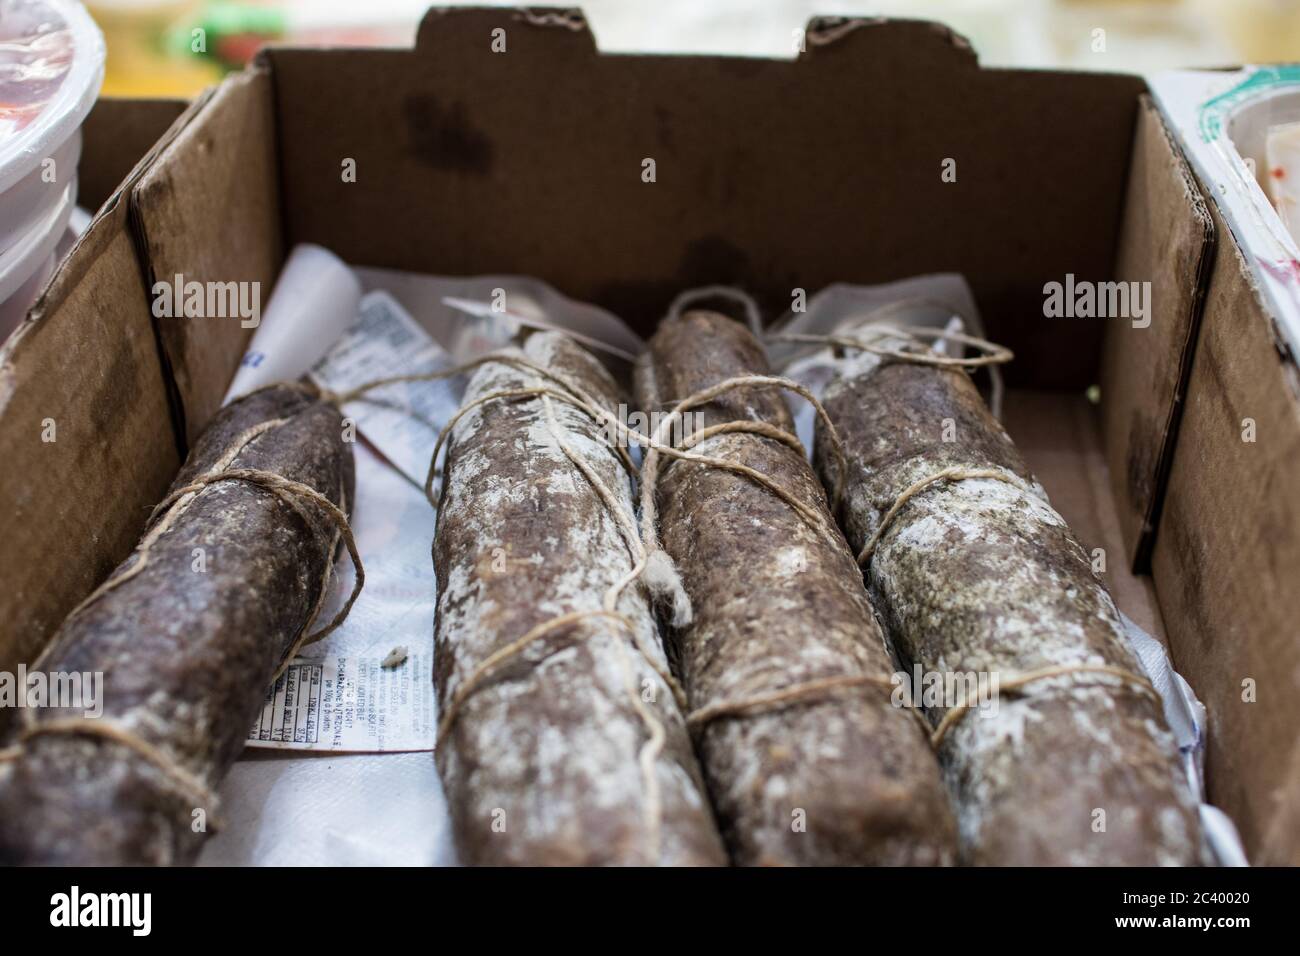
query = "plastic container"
x=26 y=266
x=1224 y=120
x=29 y=201
x=51 y=69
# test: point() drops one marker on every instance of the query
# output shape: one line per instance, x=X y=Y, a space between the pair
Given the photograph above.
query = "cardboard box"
x=85 y=429
x=772 y=175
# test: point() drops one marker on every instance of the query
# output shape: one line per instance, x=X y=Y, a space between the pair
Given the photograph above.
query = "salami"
x=982 y=584
x=831 y=778
x=561 y=740
x=187 y=634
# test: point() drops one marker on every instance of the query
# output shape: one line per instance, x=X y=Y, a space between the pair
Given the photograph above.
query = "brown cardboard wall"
x=770 y=174
x=85 y=435
x=208 y=210
x=1167 y=240
x=85 y=429
x=1226 y=558
x=114 y=137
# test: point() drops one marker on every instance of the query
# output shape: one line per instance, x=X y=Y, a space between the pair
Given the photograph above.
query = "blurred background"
x=176 y=47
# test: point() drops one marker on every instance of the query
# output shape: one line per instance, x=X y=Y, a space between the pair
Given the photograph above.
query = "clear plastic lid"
x=51 y=68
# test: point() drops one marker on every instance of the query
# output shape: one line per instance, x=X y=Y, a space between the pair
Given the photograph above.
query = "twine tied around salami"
x=293 y=493
x=1017 y=682
x=953 y=473
x=1014 y=682
x=161 y=519
x=115 y=733
x=652 y=564
x=541 y=385
x=813 y=690
x=991 y=355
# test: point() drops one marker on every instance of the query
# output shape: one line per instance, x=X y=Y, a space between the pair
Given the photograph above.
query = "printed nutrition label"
x=291 y=713
x=349 y=704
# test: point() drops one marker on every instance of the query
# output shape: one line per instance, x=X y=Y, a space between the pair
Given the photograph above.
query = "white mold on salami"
x=543 y=763
x=837 y=778
x=982 y=575
x=186 y=656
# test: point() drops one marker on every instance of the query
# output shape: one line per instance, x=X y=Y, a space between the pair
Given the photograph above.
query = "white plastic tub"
x=26 y=266
x=51 y=68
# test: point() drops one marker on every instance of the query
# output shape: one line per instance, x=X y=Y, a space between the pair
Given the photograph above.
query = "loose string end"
x=666 y=589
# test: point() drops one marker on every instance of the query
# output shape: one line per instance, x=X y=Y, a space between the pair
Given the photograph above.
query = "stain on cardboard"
x=1140 y=458
x=664 y=128
x=443 y=136
x=119 y=387
x=708 y=260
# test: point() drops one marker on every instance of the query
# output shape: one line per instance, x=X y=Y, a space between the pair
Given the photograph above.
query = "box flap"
x=85 y=434
x=207 y=210
x=1166 y=242
x=1226 y=556
x=85 y=425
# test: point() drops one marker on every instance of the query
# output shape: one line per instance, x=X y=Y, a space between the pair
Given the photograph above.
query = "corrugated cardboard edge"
x=1226 y=555
x=221 y=172
x=1167 y=240
x=82 y=369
